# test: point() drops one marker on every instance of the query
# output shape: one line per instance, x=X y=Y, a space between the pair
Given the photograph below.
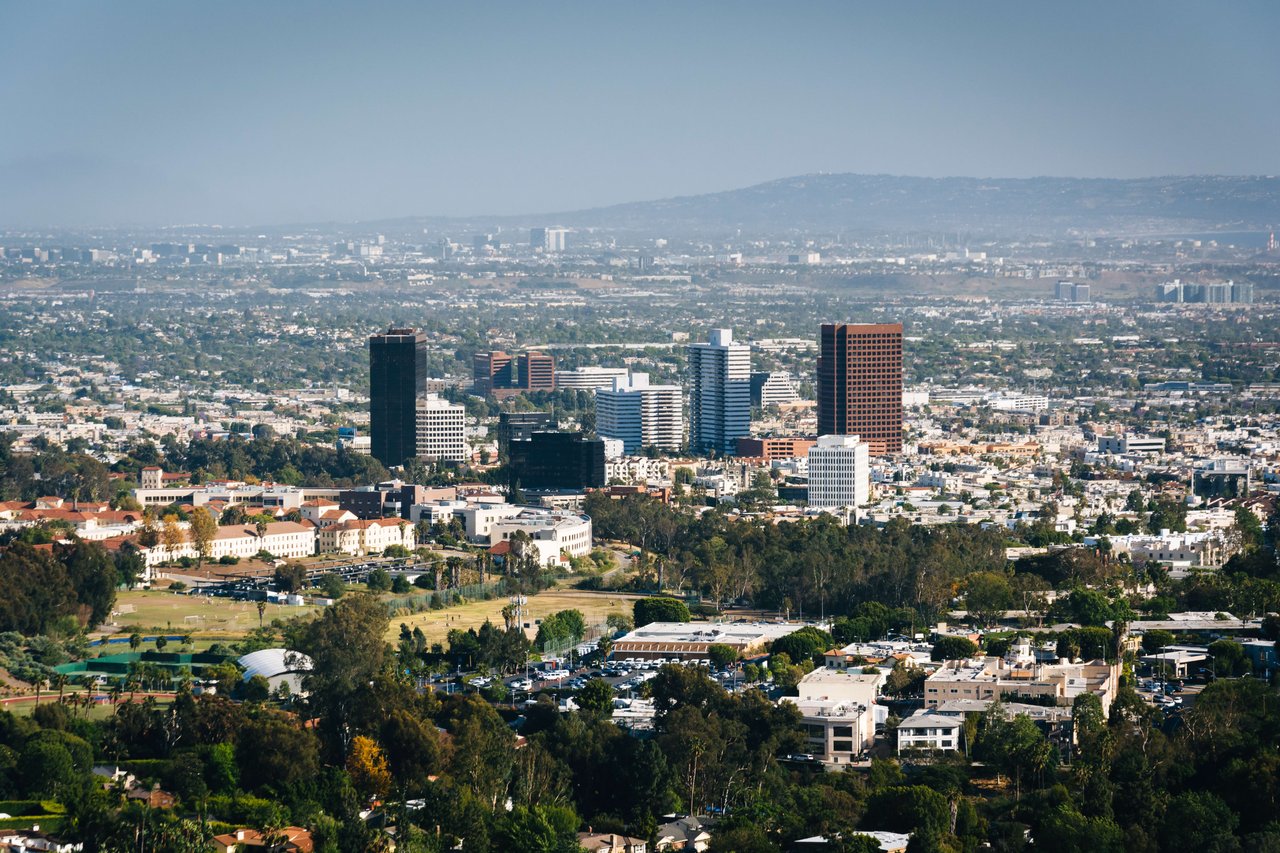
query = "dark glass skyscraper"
x=397 y=380
x=860 y=383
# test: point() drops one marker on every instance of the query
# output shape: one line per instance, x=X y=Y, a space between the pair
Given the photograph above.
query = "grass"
x=436 y=624
x=209 y=617
x=97 y=712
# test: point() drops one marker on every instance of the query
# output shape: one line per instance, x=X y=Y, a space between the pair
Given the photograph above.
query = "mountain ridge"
x=844 y=201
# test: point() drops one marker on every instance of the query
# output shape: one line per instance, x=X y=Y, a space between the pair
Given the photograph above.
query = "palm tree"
x=135 y=641
x=262 y=609
x=117 y=690
x=60 y=681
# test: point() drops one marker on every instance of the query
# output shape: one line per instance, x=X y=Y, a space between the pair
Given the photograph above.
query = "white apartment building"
x=588 y=378
x=773 y=389
x=720 y=393
x=441 y=429
x=1011 y=401
x=1123 y=445
x=641 y=415
x=839 y=472
x=366 y=537
x=925 y=730
x=632 y=470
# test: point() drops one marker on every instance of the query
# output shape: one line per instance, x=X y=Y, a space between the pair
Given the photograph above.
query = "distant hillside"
x=1008 y=205
x=879 y=203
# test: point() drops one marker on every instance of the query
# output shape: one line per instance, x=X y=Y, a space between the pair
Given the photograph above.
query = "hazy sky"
x=268 y=112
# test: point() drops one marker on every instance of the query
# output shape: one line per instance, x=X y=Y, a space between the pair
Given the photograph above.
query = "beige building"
x=282 y=539
x=365 y=537
x=1019 y=676
x=838 y=711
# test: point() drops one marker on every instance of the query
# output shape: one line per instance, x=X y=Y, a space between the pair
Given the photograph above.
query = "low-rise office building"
x=1018 y=675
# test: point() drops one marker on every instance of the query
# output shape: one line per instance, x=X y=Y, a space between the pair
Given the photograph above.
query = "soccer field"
x=192 y=614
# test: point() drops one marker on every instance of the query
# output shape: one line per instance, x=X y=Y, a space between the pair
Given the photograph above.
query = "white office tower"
x=839 y=472
x=720 y=393
x=548 y=239
x=588 y=378
x=641 y=415
x=441 y=429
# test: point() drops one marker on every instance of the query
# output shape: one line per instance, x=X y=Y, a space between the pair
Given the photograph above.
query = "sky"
x=251 y=113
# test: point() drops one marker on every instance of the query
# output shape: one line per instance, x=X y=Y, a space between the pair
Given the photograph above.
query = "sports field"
x=436 y=624
x=192 y=614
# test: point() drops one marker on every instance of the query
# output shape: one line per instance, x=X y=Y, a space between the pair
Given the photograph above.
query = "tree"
x=722 y=656
x=1229 y=658
x=660 y=609
x=596 y=698
x=1017 y=747
x=539 y=829
x=203 y=530
x=171 y=535
x=347 y=651
x=367 y=764
x=290 y=577
x=379 y=580
x=333 y=586
x=272 y=750
x=987 y=596
x=257 y=689
x=484 y=748
x=807 y=644
x=1156 y=639
x=953 y=648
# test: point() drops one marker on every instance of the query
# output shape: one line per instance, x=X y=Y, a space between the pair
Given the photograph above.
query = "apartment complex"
x=720 y=393
x=860 y=383
x=641 y=415
x=397 y=380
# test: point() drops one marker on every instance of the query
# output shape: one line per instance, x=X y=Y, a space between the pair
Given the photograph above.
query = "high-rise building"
x=535 y=371
x=641 y=415
x=519 y=426
x=557 y=460
x=490 y=370
x=503 y=374
x=860 y=383
x=839 y=472
x=441 y=429
x=397 y=380
x=772 y=389
x=720 y=393
x=548 y=239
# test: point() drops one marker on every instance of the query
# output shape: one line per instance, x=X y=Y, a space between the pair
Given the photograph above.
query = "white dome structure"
x=277 y=666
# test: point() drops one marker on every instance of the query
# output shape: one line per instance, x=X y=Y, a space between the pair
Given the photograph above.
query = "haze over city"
x=252 y=114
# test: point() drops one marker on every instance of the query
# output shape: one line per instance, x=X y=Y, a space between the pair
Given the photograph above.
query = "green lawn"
x=208 y=618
